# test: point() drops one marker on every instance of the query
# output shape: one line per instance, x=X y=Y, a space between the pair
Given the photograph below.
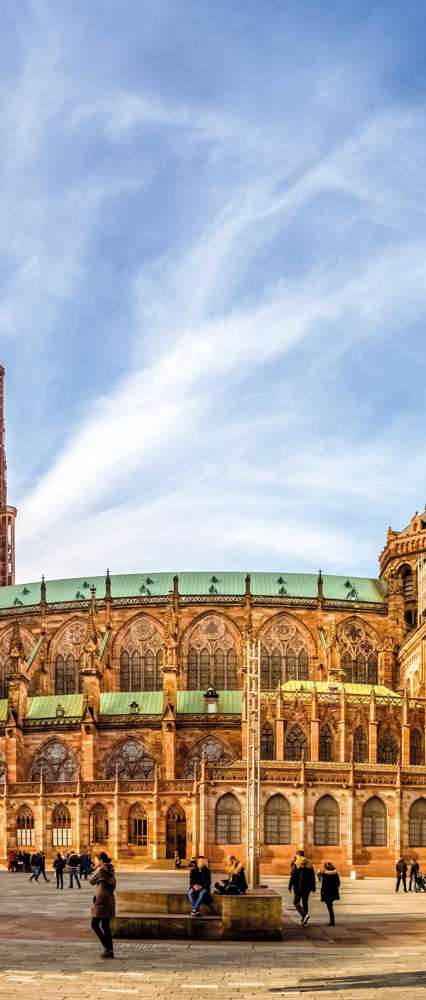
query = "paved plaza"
x=377 y=949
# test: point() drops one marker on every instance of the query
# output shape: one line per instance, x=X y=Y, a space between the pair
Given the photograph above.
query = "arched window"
x=387 y=749
x=406 y=574
x=267 y=742
x=327 y=822
x=56 y=762
x=325 y=744
x=277 y=820
x=25 y=834
x=228 y=820
x=138 y=826
x=131 y=760
x=67 y=674
x=61 y=826
x=213 y=752
x=416 y=747
x=295 y=743
x=374 y=823
x=98 y=824
x=417 y=823
x=360 y=746
x=211 y=655
x=176 y=831
x=284 y=653
x=140 y=653
x=358 y=652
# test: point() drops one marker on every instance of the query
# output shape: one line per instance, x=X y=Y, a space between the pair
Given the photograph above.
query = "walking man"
x=35 y=867
x=42 y=865
x=302 y=882
x=200 y=881
x=401 y=874
x=73 y=865
x=414 y=876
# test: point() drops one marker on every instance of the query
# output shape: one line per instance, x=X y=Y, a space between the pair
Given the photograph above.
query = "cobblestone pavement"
x=377 y=950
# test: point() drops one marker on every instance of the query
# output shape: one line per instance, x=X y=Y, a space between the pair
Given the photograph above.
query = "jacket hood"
x=108 y=874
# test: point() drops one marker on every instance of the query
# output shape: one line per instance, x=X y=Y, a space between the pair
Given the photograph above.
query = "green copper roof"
x=119 y=702
x=193 y=702
x=324 y=686
x=216 y=583
x=45 y=706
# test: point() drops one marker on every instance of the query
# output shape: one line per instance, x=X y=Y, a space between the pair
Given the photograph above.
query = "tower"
x=7 y=514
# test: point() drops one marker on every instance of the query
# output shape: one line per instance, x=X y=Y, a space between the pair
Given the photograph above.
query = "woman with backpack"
x=103 y=902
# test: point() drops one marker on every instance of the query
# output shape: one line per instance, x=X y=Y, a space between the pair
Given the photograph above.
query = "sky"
x=212 y=282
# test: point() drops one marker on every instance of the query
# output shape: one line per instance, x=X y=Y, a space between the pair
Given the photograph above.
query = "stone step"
x=166 y=925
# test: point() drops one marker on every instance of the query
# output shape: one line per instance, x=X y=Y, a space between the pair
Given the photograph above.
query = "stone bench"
x=159 y=913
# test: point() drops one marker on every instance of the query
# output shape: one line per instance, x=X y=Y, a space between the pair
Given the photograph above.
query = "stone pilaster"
x=314 y=726
x=372 y=731
x=169 y=743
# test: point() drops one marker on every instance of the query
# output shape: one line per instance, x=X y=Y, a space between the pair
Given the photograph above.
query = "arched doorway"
x=176 y=831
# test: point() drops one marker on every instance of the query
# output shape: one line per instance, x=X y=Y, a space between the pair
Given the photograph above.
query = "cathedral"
x=122 y=711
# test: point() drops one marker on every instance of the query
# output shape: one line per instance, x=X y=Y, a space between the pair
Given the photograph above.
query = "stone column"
x=372 y=731
x=302 y=834
x=279 y=728
x=78 y=815
x=405 y=733
x=117 y=815
x=5 y=816
x=314 y=726
x=155 y=854
x=350 y=823
x=41 y=838
x=342 y=727
x=195 y=820
x=397 y=823
x=202 y=792
x=169 y=744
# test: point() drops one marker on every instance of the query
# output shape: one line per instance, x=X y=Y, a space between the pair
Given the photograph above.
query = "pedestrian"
x=302 y=882
x=401 y=874
x=414 y=876
x=59 y=865
x=34 y=861
x=200 y=881
x=177 y=860
x=73 y=866
x=330 y=882
x=42 y=865
x=103 y=902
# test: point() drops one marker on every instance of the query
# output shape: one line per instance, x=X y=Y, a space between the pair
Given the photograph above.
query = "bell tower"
x=7 y=514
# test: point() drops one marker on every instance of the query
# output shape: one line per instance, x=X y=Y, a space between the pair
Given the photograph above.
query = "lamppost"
x=253 y=761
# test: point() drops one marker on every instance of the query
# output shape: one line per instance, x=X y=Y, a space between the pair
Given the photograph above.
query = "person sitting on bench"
x=235 y=883
x=200 y=881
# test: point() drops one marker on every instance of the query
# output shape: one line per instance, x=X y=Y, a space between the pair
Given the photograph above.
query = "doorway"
x=176 y=832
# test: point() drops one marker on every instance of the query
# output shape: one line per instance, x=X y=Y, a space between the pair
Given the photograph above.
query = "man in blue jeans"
x=200 y=880
x=73 y=866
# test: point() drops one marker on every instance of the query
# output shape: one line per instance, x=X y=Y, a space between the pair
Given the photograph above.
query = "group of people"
x=233 y=884
x=302 y=882
x=417 y=882
x=77 y=865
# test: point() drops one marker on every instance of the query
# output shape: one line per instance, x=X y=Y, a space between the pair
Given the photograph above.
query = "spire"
x=108 y=585
x=320 y=587
x=42 y=591
x=7 y=514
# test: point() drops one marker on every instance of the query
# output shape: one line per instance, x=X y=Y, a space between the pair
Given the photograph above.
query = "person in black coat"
x=401 y=874
x=200 y=881
x=59 y=865
x=302 y=882
x=330 y=882
x=414 y=876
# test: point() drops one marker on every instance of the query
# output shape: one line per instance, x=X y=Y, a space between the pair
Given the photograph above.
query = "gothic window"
x=67 y=658
x=141 y=656
x=98 y=824
x=228 y=820
x=138 y=826
x=7 y=638
x=267 y=742
x=211 y=655
x=61 y=826
x=35 y=687
x=327 y=822
x=56 y=762
x=387 y=749
x=360 y=746
x=284 y=653
x=416 y=747
x=374 y=823
x=131 y=760
x=67 y=674
x=417 y=823
x=358 y=653
x=325 y=744
x=277 y=820
x=25 y=833
x=295 y=743
x=212 y=751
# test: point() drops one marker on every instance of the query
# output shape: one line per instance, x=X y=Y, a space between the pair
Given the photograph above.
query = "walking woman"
x=103 y=902
x=330 y=883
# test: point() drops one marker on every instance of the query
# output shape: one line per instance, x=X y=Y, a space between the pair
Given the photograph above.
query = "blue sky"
x=212 y=281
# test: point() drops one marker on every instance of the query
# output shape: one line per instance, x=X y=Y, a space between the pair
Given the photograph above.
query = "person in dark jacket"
x=401 y=874
x=42 y=866
x=330 y=882
x=73 y=862
x=302 y=882
x=103 y=902
x=34 y=867
x=58 y=866
x=414 y=876
x=200 y=881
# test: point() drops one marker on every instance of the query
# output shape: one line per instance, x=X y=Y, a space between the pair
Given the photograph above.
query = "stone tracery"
x=130 y=761
x=358 y=653
x=141 y=656
x=285 y=651
x=213 y=752
x=211 y=653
